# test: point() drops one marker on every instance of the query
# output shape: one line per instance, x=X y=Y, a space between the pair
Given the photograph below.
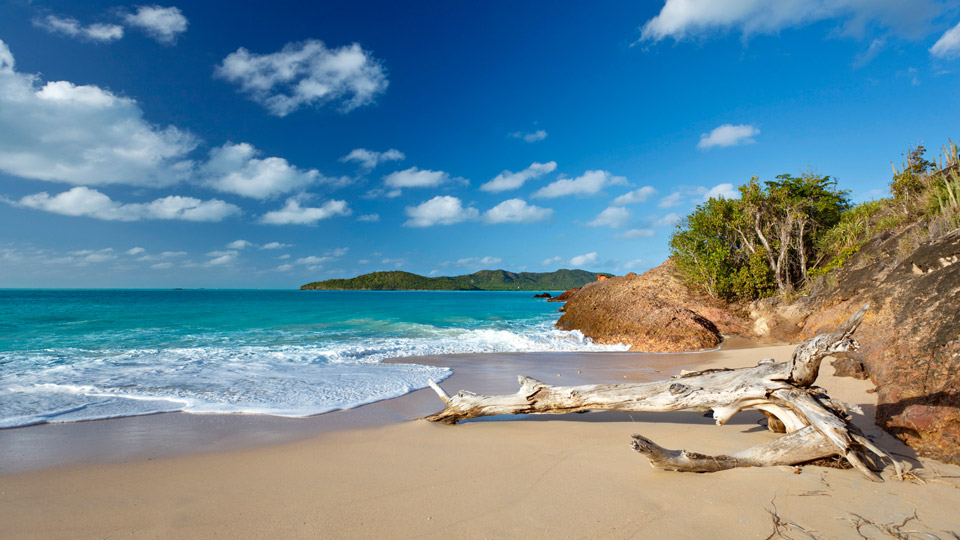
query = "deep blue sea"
x=68 y=355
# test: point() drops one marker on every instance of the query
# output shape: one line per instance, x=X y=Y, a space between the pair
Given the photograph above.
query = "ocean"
x=70 y=355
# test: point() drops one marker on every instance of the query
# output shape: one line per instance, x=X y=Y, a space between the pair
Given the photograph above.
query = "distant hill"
x=484 y=280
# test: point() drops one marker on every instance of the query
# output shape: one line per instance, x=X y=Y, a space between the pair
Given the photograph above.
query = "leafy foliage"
x=763 y=243
x=484 y=280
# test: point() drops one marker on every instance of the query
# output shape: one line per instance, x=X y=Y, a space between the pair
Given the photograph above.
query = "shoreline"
x=175 y=434
x=549 y=476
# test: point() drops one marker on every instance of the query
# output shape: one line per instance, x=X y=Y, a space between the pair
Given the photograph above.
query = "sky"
x=190 y=145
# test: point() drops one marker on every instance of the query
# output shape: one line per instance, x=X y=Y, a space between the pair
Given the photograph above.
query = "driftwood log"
x=816 y=426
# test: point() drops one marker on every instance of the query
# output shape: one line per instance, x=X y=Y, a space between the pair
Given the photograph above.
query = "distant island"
x=484 y=280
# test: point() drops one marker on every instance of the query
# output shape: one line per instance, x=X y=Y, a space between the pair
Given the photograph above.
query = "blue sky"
x=188 y=145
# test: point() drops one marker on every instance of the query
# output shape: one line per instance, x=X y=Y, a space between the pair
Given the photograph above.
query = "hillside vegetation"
x=779 y=235
x=484 y=280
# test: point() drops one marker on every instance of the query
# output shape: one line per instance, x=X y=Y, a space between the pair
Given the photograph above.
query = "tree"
x=764 y=242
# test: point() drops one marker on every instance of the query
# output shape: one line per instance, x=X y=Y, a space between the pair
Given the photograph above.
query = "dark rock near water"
x=543 y=295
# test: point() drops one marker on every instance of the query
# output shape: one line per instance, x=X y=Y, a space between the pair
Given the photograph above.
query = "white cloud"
x=585 y=259
x=221 y=258
x=516 y=211
x=240 y=244
x=284 y=268
x=369 y=159
x=83 y=201
x=551 y=261
x=948 y=46
x=728 y=135
x=164 y=24
x=85 y=256
x=135 y=251
x=233 y=168
x=635 y=264
x=83 y=135
x=369 y=218
x=510 y=180
x=162 y=266
x=722 y=191
x=668 y=220
x=674 y=199
x=531 y=137
x=294 y=214
x=440 y=210
x=68 y=26
x=635 y=196
x=306 y=74
x=275 y=245
x=415 y=178
x=615 y=217
x=681 y=19
x=474 y=262
x=636 y=233
x=590 y=183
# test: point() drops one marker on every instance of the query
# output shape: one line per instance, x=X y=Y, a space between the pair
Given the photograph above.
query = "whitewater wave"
x=282 y=379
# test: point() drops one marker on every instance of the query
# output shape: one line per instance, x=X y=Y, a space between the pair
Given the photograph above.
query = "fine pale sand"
x=571 y=476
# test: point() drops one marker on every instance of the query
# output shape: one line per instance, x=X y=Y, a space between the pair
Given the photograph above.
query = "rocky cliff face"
x=652 y=312
x=910 y=338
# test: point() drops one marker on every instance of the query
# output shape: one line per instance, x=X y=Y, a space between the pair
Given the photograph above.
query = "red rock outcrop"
x=653 y=312
x=910 y=338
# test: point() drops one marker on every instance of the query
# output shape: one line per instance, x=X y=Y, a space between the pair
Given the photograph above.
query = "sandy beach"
x=374 y=472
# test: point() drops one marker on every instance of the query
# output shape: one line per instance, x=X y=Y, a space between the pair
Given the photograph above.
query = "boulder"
x=565 y=295
x=542 y=295
x=653 y=312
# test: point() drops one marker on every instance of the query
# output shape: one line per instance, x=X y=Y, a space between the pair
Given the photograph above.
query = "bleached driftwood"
x=817 y=427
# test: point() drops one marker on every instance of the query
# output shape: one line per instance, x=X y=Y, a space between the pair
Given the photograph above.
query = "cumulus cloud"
x=636 y=196
x=68 y=26
x=440 y=210
x=240 y=244
x=275 y=245
x=728 y=135
x=635 y=233
x=369 y=218
x=306 y=74
x=585 y=259
x=530 y=137
x=135 y=251
x=516 y=211
x=510 y=180
x=294 y=214
x=674 y=199
x=722 y=191
x=369 y=159
x=83 y=201
x=551 y=261
x=590 y=183
x=948 y=46
x=615 y=217
x=681 y=19
x=415 y=178
x=234 y=168
x=164 y=24
x=83 y=135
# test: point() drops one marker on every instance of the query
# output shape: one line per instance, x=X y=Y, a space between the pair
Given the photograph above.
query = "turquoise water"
x=68 y=355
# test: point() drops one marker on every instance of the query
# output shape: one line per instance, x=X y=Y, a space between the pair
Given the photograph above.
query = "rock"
x=910 y=339
x=601 y=277
x=652 y=312
x=542 y=295
x=565 y=295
